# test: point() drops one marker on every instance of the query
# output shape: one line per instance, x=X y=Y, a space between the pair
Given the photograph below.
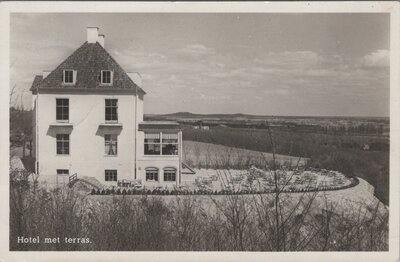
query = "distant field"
x=207 y=155
x=342 y=153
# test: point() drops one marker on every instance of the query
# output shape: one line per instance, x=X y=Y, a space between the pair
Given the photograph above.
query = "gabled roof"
x=88 y=60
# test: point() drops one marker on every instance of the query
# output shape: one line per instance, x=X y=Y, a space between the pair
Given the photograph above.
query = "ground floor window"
x=62 y=172
x=111 y=175
x=169 y=174
x=152 y=173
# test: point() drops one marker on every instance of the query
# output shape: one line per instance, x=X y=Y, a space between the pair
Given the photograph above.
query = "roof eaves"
x=36 y=83
x=159 y=125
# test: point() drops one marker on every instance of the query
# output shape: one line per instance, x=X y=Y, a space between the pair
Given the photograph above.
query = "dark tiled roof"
x=36 y=82
x=159 y=125
x=88 y=60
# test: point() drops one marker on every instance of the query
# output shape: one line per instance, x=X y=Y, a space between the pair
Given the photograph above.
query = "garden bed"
x=253 y=181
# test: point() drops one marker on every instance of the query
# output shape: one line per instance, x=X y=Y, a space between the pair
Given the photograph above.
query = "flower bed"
x=166 y=192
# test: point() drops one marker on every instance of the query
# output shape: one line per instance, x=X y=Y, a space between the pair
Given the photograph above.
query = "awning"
x=111 y=124
x=159 y=126
x=61 y=124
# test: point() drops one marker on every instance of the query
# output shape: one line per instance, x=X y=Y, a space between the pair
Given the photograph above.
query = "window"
x=169 y=144
x=62 y=172
x=110 y=175
x=160 y=144
x=62 y=109
x=111 y=145
x=152 y=144
x=106 y=77
x=169 y=174
x=152 y=173
x=62 y=144
x=111 y=109
x=69 y=76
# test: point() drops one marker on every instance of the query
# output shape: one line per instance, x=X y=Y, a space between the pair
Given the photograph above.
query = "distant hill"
x=179 y=115
x=186 y=115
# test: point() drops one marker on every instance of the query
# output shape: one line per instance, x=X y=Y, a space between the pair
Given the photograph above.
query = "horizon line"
x=266 y=115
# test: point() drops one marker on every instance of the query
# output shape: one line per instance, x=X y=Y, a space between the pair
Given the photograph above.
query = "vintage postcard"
x=200 y=131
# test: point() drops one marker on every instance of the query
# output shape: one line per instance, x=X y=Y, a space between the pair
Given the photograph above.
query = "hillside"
x=199 y=154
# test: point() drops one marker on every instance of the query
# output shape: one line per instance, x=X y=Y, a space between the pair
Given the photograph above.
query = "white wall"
x=87 y=151
x=140 y=110
x=160 y=162
x=34 y=126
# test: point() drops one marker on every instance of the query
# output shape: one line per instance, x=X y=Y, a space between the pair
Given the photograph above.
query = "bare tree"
x=235 y=208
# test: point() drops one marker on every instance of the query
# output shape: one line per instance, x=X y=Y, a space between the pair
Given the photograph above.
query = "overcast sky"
x=267 y=64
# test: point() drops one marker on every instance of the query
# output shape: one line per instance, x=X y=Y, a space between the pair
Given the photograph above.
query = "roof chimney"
x=45 y=74
x=136 y=78
x=92 y=34
x=101 y=40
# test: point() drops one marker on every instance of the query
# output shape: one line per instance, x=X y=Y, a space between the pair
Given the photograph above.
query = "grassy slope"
x=199 y=154
x=336 y=152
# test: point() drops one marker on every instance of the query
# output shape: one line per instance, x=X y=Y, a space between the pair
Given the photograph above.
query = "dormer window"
x=106 y=77
x=69 y=77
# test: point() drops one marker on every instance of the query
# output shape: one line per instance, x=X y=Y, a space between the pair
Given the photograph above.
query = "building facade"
x=88 y=121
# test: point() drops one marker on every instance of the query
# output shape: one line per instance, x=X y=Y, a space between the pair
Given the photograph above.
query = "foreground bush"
x=188 y=222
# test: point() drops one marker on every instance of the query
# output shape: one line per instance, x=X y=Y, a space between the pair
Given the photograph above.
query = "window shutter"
x=75 y=73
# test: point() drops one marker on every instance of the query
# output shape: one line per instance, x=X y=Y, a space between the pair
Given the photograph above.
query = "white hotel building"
x=88 y=120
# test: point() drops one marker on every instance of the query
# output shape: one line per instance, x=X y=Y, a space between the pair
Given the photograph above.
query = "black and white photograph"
x=227 y=131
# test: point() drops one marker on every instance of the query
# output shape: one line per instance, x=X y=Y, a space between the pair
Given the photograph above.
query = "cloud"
x=293 y=59
x=201 y=78
x=214 y=98
x=318 y=72
x=196 y=50
x=282 y=92
x=157 y=55
x=378 y=58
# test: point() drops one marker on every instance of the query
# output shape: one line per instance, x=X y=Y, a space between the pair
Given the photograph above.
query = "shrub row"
x=170 y=192
x=354 y=182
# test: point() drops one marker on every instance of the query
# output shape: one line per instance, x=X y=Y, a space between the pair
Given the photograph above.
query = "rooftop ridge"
x=88 y=59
